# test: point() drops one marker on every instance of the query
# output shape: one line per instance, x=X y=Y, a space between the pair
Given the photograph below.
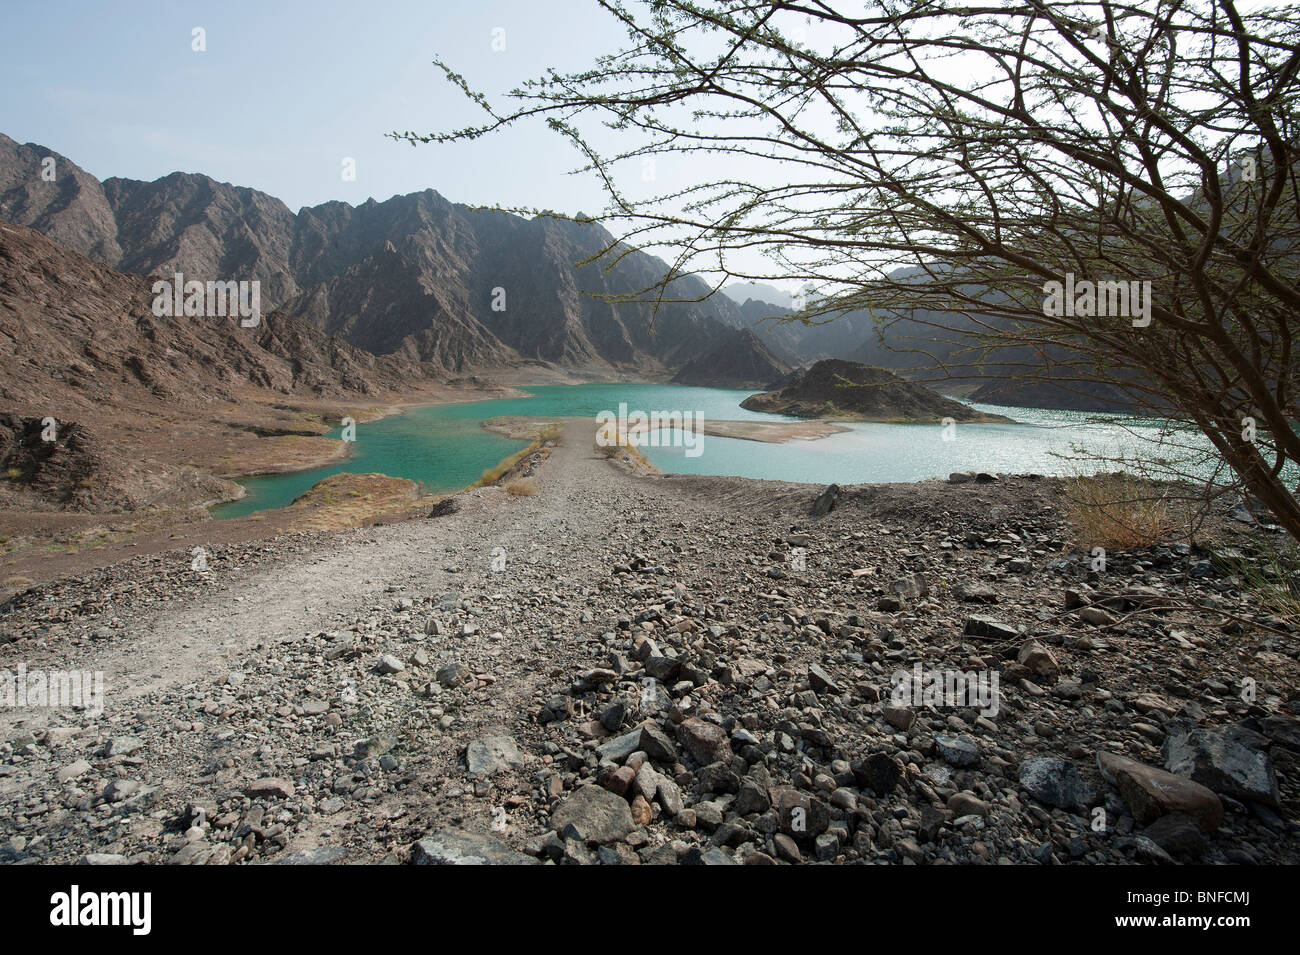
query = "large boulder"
x=457 y=847
x=1151 y=793
x=596 y=813
x=1231 y=760
x=1056 y=782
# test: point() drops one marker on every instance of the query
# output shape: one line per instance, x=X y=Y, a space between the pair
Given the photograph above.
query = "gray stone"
x=597 y=813
x=1230 y=760
x=457 y=847
x=453 y=675
x=657 y=744
x=1179 y=835
x=120 y=789
x=1095 y=616
x=662 y=668
x=270 y=786
x=958 y=750
x=670 y=797
x=751 y=798
x=899 y=717
x=1056 y=782
x=1038 y=660
x=826 y=501
x=324 y=855
x=492 y=754
x=123 y=746
x=619 y=748
x=73 y=770
x=821 y=681
x=912 y=586
x=986 y=628
x=977 y=593
x=879 y=773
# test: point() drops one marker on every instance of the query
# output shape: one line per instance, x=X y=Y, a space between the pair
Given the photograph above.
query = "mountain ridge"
x=415 y=275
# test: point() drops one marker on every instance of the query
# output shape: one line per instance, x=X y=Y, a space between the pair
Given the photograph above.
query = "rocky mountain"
x=74 y=330
x=742 y=292
x=802 y=343
x=844 y=389
x=80 y=344
x=415 y=275
x=942 y=350
x=437 y=282
x=739 y=360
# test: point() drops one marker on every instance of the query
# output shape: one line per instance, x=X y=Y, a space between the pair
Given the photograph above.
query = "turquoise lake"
x=444 y=446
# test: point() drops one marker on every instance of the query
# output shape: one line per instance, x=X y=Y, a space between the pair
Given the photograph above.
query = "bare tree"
x=955 y=160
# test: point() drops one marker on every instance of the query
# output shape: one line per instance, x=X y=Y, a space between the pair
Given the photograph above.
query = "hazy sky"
x=286 y=90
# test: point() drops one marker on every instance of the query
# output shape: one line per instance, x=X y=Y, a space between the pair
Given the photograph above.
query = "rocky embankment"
x=633 y=670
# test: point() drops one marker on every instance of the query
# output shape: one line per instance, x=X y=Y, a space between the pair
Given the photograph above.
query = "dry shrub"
x=1117 y=512
x=1271 y=572
x=524 y=487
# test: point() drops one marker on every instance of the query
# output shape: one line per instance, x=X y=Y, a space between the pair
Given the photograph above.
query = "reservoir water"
x=444 y=447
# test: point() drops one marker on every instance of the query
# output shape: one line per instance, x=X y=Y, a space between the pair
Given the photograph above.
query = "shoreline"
x=49 y=544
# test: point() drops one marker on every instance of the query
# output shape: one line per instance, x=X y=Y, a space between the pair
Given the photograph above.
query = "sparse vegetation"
x=524 y=487
x=1272 y=575
x=548 y=435
x=1118 y=512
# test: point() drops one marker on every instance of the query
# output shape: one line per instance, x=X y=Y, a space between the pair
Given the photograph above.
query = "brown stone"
x=620 y=780
x=641 y=811
x=1039 y=661
x=705 y=741
x=1151 y=793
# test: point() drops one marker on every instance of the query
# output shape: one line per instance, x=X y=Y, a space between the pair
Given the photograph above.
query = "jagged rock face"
x=740 y=360
x=74 y=332
x=835 y=388
x=80 y=344
x=416 y=275
x=72 y=209
x=205 y=229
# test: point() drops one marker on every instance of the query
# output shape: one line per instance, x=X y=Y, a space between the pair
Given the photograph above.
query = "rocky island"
x=834 y=388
